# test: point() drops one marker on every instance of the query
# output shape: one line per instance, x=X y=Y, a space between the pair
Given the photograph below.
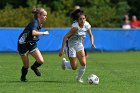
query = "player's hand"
x=61 y=52
x=93 y=46
x=45 y=33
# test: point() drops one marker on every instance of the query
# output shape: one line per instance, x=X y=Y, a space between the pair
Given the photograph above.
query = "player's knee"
x=41 y=61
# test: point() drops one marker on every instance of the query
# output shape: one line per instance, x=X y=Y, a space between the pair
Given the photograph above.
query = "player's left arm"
x=91 y=37
x=35 y=32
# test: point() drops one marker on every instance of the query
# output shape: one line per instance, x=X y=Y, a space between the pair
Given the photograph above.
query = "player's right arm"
x=71 y=32
x=37 y=33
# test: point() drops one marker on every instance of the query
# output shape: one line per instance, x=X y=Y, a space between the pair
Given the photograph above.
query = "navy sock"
x=36 y=65
x=24 y=72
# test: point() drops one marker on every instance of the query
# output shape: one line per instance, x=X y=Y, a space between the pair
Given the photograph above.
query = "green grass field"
x=119 y=72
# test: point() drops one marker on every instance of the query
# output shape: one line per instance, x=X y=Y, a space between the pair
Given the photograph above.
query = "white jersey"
x=76 y=39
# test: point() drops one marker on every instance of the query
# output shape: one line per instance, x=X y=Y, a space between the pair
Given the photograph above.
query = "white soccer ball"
x=93 y=79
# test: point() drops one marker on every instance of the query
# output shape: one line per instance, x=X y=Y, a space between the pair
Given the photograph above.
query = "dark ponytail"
x=75 y=14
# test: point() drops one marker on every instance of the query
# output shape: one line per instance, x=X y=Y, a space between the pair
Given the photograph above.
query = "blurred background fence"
x=106 y=39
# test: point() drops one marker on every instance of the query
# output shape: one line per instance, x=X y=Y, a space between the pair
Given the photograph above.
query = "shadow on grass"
x=43 y=81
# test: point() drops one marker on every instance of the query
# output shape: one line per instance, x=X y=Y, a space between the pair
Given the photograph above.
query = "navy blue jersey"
x=26 y=36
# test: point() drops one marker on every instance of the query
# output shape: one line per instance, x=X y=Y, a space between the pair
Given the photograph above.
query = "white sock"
x=67 y=64
x=81 y=72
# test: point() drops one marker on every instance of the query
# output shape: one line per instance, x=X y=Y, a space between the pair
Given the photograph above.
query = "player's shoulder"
x=34 y=21
x=75 y=24
x=87 y=23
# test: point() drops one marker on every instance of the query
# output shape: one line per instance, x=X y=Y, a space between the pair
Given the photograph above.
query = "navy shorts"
x=23 y=49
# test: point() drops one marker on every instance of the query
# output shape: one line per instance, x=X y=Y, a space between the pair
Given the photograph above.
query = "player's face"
x=82 y=19
x=43 y=16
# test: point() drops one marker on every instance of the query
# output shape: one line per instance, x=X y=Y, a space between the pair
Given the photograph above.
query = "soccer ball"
x=93 y=79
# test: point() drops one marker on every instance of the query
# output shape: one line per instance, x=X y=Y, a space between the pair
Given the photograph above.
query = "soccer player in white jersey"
x=75 y=49
x=74 y=17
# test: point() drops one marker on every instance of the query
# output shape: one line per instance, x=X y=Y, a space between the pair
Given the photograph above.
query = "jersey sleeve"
x=74 y=24
x=88 y=26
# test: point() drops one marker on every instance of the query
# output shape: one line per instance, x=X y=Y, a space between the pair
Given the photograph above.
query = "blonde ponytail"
x=35 y=11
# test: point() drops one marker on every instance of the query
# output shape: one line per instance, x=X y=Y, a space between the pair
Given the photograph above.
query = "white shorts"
x=71 y=51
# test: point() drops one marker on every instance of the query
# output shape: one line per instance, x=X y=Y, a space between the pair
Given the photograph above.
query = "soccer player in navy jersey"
x=27 y=43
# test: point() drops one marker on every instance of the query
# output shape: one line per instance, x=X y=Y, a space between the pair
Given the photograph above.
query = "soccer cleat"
x=23 y=79
x=79 y=80
x=36 y=71
x=63 y=64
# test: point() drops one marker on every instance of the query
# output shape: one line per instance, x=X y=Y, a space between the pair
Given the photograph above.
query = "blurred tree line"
x=100 y=13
